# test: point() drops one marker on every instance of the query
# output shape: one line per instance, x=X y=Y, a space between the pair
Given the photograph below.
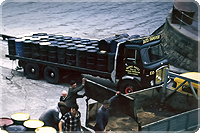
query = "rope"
x=12 y=72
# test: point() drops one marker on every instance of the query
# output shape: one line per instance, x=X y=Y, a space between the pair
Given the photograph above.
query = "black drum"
x=52 y=38
x=19 y=118
x=91 y=59
x=5 y=122
x=19 y=46
x=87 y=43
x=61 y=54
x=35 y=49
x=80 y=46
x=95 y=45
x=45 y=38
x=68 y=41
x=52 y=52
x=51 y=35
x=33 y=124
x=11 y=46
x=61 y=43
x=41 y=34
x=94 y=42
x=85 y=40
x=71 y=56
x=113 y=44
x=53 y=42
x=45 y=129
x=4 y=131
x=58 y=36
x=77 y=42
x=102 y=61
x=44 y=50
x=90 y=47
x=76 y=39
x=81 y=57
x=16 y=129
x=27 y=48
x=105 y=44
x=59 y=40
x=70 y=44
x=67 y=37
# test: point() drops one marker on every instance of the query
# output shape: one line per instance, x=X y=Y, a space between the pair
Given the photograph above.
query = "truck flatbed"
x=146 y=115
x=64 y=66
x=143 y=110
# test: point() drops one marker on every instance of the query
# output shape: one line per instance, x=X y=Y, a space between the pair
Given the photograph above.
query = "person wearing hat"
x=102 y=116
x=52 y=116
x=70 y=100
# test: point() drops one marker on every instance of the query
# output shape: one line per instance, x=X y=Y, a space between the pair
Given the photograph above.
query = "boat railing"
x=194 y=27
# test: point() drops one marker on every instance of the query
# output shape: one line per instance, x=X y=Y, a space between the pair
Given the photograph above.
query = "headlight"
x=152 y=83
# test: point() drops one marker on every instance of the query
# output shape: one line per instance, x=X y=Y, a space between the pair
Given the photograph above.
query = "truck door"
x=131 y=62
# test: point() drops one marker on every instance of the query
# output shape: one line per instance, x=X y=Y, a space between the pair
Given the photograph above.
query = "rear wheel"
x=32 y=70
x=129 y=86
x=51 y=74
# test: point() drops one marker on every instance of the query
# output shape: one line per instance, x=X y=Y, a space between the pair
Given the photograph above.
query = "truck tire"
x=129 y=86
x=32 y=70
x=51 y=74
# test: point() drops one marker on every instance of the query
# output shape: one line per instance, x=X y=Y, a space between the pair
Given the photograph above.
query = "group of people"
x=66 y=117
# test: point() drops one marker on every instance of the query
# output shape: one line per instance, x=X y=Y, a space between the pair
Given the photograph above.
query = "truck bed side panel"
x=100 y=93
x=186 y=121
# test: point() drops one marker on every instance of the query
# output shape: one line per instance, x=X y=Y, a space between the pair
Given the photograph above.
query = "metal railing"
x=164 y=90
x=182 y=22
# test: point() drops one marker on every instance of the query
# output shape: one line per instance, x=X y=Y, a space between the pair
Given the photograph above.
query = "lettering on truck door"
x=130 y=62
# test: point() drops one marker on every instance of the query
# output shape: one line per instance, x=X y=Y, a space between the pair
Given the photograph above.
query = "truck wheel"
x=32 y=70
x=129 y=86
x=51 y=74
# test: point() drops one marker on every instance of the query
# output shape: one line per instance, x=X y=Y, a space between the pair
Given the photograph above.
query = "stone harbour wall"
x=180 y=45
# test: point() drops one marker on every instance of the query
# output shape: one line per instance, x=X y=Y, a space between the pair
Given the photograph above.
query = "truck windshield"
x=152 y=54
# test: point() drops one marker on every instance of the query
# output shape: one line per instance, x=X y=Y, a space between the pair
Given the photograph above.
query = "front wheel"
x=32 y=70
x=51 y=74
x=129 y=86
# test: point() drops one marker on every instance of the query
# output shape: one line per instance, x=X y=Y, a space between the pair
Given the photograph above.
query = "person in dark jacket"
x=72 y=95
x=64 y=95
x=52 y=116
x=102 y=116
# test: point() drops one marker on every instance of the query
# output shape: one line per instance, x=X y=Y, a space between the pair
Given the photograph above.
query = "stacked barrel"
x=11 y=46
x=21 y=123
x=86 y=53
x=102 y=60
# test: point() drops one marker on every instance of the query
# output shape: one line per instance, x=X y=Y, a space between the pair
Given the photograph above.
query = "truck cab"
x=141 y=63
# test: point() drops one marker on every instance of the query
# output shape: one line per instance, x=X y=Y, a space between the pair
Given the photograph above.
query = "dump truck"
x=132 y=62
x=144 y=110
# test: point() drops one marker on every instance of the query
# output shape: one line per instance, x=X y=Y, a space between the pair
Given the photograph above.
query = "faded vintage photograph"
x=99 y=66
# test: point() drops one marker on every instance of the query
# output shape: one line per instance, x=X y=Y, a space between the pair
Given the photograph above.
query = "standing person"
x=102 y=116
x=71 y=120
x=70 y=100
x=64 y=95
x=63 y=99
x=52 y=116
